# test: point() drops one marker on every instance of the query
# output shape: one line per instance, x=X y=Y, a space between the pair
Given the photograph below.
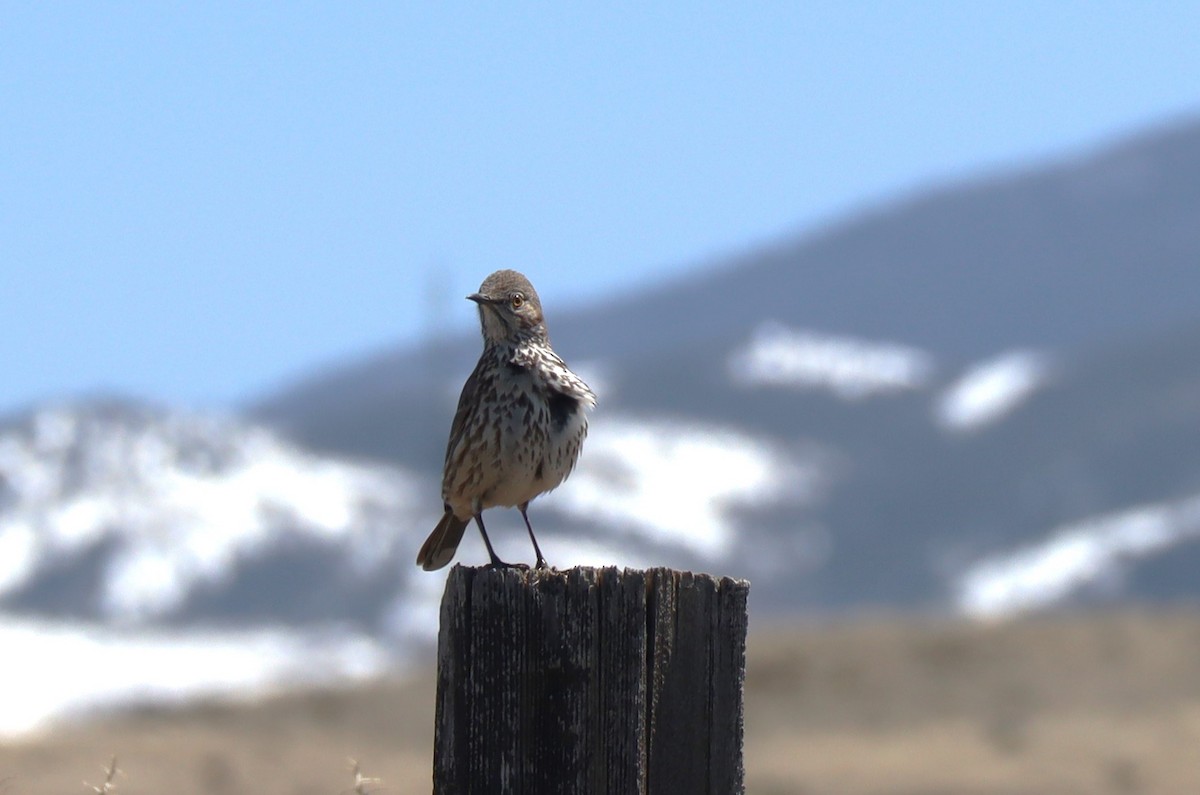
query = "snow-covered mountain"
x=153 y=554
x=137 y=516
x=128 y=532
x=986 y=399
x=132 y=515
x=969 y=371
x=169 y=547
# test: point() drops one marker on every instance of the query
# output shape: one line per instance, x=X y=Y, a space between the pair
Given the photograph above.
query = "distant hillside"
x=1090 y=251
x=985 y=399
x=964 y=376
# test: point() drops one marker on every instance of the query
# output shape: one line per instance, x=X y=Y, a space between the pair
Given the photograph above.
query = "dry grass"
x=110 y=779
x=1083 y=704
x=292 y=744
x=1093 y=704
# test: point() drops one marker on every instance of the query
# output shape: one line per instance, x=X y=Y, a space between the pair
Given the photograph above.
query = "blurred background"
x=892 y=309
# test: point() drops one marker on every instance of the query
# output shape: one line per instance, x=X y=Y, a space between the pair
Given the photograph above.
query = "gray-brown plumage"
x=521 y=420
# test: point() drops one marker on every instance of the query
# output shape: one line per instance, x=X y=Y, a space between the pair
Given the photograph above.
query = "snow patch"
x=55 y=671
x=1073 y=556
x=990 y=390
x=675 y=482
x=853 y=369
x=182 y=496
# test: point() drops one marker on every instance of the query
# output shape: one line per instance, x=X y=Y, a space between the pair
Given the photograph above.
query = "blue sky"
x=200 y=202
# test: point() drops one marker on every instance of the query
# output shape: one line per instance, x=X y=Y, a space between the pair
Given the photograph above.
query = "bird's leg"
x=496 y=562
x=541 y=561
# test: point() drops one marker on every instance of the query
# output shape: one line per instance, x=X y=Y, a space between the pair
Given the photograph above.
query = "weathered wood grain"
x=590 y=681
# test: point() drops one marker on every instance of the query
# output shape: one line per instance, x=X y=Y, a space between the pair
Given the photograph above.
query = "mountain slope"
x=127 y=513
x=865 y=417
x=1086 y=252
x=974 y=370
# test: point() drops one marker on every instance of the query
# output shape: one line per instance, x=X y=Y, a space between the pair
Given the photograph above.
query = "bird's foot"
x=541 y=563
x=500 y=564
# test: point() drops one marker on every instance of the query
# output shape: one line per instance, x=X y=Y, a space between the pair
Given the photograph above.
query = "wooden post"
x=590 y=681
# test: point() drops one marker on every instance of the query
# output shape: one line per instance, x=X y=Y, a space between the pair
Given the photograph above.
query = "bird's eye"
x=517 y=300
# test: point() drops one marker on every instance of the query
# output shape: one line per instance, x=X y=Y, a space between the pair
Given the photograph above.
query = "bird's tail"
x=439 y=548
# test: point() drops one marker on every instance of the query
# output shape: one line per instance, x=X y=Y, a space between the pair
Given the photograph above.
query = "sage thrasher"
x=521 y=420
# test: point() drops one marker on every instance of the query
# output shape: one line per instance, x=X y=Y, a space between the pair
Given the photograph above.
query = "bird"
x=520 y=423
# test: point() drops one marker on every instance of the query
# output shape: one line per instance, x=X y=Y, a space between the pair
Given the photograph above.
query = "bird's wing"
x=467 y=403
x=573 y=386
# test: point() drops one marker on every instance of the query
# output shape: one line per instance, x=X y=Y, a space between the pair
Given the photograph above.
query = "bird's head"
x=509 y=308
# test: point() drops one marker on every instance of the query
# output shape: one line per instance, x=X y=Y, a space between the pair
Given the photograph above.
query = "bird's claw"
x=500 y=564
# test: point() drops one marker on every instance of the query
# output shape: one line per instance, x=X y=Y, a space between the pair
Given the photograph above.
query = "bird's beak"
x=478 y=298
